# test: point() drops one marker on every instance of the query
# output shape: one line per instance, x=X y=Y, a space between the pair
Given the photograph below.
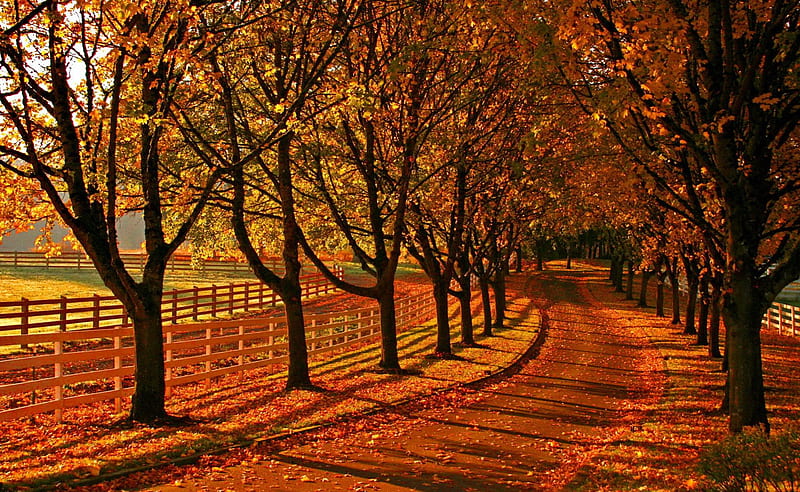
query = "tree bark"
x=499 y=288
x=714 y=317
x=742 y=312
x=629 y=287
x=702 y=316
x=672 y=272
x=147 y=403
x=646 y=275
x=689 y=327
x=298 y=376
x=440 y=297
x=660 y=294
x=465 y=300
x=486 y=303
x=389 y=356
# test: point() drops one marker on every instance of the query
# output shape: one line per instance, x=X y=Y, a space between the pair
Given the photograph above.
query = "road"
x=530 y=431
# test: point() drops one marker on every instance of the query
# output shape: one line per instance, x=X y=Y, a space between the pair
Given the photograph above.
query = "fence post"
x=312 y=343
x=58 y=369
x=24 y=318
x=58 y=389
x=168 y=366
x=174 y=306
x=260 y=295
x=96 y=312
x=270 y=340
x=15 y=259
x=247 y=297
x=208 y=352
x=62 y=325
x=214 y=300
x=195 y=302
x=241 y=353
x=117 y=378
x=230 y=299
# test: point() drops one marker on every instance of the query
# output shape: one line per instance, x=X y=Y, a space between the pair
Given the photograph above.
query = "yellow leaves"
x=766 y=101
x=721 y=122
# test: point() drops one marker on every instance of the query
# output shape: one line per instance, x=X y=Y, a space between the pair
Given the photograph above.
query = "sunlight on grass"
x=40 y=283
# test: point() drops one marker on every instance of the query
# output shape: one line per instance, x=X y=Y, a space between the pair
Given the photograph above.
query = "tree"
x=467 y=152
x=262 y=90
x=87 y=96
x=364 y=158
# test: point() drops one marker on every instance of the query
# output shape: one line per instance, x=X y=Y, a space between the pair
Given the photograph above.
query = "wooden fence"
x=73 y=368
x=33 y=316
x=135 y=261
x=784 y=318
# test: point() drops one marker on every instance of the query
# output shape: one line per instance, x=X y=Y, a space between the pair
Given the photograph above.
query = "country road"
x=530 y=431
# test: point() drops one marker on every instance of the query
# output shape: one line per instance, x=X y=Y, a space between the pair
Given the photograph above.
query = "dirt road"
x=528 y=432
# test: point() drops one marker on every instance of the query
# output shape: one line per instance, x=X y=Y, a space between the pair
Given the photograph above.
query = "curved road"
x=528 y=432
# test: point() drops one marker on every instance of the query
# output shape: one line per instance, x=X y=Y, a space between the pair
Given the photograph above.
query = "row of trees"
x=374 y=125
x=701 y=101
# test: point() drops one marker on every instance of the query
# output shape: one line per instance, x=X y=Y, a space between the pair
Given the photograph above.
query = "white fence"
x=784 y=318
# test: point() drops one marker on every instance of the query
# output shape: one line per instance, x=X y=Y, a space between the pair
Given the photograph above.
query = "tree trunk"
x=147 y=403
x=612 y=270
x=646 y=274
x=389 y=357
x=629 y=288
x=465 y=299
x=486 y=303
x=713 y=323
x=672 y=272
x=702 y=317
x=299 y=376
x=689 y=327
x=569 y=255
x=617 y=279
x=539 y=259
x=499 y=288
x=660 y=294
x=442 y=319
x=743 y=310
x=519 y=259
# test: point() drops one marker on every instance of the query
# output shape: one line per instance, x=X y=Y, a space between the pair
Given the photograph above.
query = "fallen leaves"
x=232 y=409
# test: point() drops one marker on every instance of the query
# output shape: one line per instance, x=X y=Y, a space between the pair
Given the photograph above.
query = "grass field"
x=39 y=283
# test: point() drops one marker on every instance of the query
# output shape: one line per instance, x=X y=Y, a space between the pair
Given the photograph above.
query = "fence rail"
x=784 y=318
x=136 y=261
x=30 y=316
x=77 y=367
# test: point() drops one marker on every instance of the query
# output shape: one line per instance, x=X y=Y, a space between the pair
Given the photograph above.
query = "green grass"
x=40 y=283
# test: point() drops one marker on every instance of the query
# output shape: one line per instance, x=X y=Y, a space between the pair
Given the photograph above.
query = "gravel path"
x=531 y=431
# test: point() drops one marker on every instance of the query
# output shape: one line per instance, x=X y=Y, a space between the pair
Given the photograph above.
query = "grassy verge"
x=40 y=453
